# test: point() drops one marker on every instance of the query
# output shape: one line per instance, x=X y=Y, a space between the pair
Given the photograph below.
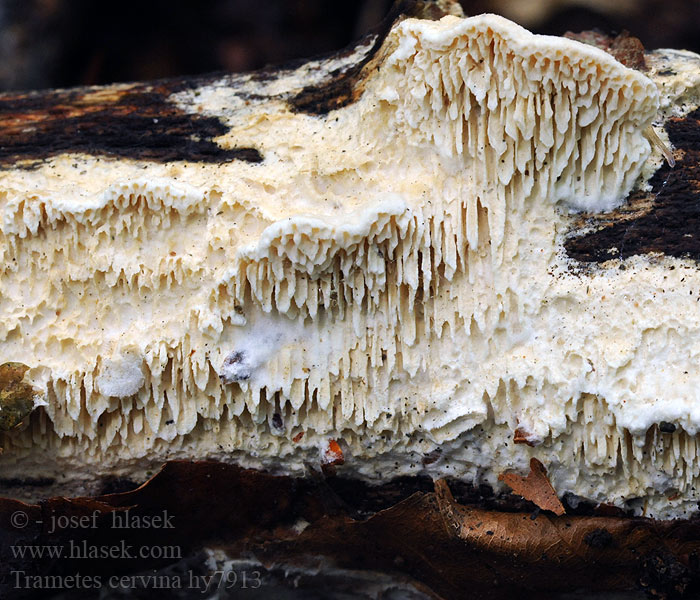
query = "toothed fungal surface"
x=390 y=275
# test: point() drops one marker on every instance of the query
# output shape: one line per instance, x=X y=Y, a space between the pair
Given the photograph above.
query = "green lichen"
x=16 y=396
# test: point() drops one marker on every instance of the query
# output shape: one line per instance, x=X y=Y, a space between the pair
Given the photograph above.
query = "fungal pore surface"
x=388 y=275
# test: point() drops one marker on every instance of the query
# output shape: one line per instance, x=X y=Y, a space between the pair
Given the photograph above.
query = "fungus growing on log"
x=389 y=268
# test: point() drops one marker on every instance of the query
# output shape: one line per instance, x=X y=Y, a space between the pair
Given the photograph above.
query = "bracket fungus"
x=390 y=271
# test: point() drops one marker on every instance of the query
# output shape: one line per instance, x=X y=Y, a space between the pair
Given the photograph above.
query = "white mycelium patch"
x=391 y=276
x=120 y=377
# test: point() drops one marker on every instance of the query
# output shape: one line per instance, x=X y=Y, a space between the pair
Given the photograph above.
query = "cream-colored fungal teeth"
x=513 y=104
x=391 y=276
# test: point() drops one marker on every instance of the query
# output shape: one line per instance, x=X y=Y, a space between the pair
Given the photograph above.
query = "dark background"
x=62 y=43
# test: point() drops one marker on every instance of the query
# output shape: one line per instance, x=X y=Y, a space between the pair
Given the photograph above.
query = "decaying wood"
x=129 y=121
x=663 y=220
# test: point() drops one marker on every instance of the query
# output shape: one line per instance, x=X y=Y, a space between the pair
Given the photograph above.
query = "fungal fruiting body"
x=389 y=280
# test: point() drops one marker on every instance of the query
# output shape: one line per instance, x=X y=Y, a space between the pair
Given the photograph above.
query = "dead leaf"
x=535 y=487
x=523 y=437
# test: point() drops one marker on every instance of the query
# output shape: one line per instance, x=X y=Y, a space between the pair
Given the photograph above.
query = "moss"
x=16 y=396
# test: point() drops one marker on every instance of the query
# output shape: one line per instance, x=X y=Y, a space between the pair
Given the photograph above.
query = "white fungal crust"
x=390 y=276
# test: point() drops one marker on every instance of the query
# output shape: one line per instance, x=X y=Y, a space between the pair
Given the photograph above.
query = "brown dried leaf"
x=535 y=487
x=521 y=436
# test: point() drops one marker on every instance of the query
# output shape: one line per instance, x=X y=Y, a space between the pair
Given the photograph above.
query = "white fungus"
x=391 y=275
